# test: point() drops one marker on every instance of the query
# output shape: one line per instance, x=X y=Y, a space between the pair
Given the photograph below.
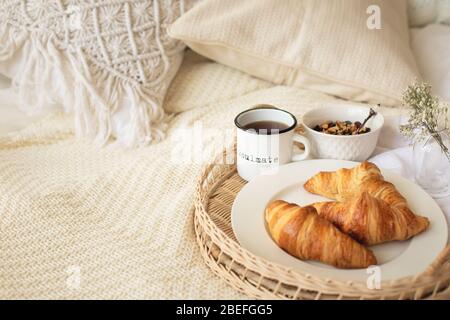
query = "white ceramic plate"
x=396 y=259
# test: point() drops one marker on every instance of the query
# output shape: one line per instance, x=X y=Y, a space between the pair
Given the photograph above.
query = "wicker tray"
x=262 y=279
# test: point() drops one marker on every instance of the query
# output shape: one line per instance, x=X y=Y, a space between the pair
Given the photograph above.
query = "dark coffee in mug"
x=265 y=125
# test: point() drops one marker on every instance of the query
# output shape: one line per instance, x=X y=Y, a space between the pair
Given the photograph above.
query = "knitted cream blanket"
x=81 y=222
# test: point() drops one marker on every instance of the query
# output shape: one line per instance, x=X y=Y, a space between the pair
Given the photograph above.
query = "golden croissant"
x=305 y=235
x=372 y=210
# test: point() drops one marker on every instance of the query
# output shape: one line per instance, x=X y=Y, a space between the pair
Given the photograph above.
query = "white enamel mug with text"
x=262 y=151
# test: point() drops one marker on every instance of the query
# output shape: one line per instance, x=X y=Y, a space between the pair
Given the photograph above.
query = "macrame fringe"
x=48 y=76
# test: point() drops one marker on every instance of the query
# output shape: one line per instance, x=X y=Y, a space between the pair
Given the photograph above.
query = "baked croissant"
x=305 y=235
x=373 y=211
x=370 y=220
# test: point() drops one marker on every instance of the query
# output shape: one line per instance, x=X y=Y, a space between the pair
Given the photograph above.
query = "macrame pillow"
x=109 y=62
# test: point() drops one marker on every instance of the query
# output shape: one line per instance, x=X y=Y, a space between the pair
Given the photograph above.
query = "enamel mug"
x=262 y=151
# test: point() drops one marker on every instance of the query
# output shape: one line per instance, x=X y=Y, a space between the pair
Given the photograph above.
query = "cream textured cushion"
x=109 y=62
x=321 y=45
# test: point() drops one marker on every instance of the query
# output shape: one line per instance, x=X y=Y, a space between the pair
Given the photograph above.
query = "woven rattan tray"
x=262 y=279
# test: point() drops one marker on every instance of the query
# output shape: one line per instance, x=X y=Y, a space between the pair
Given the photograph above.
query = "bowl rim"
x=359 y=136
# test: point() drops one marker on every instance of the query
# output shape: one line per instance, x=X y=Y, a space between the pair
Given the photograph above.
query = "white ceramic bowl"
x=327 y=146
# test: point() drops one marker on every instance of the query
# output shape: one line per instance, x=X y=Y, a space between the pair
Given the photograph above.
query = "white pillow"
x=423 y=12
x=431 y=47
x=11 y=118
x=443 y=11
x=109 y=63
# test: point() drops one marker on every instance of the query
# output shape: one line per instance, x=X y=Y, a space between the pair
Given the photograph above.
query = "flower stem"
x=438 y=138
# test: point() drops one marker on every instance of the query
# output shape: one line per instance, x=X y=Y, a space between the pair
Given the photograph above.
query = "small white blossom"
x=428 y=117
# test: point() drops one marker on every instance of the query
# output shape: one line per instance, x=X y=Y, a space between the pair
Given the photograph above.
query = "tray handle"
x=441 y=263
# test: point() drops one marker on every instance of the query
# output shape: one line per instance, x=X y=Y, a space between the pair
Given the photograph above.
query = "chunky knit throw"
x=109 y=62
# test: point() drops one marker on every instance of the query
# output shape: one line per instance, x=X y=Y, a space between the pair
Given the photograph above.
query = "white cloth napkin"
x=400 y=161
x=395 y=154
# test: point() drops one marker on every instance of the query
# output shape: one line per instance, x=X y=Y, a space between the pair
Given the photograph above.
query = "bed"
x=82 y=222
x=121 y=220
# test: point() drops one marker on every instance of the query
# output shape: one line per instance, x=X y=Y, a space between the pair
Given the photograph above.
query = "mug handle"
x=303 y=140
